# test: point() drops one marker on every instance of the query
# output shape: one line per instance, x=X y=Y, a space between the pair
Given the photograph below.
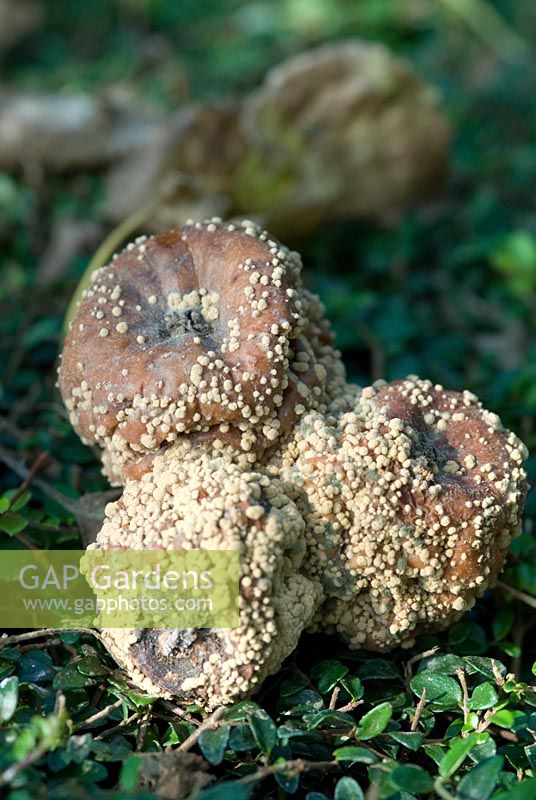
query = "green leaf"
x=36 y=667
x=92 y=666
x=486 y=748
x=213 y=743
x=304 y=701
x=411 y=778
x=70 y=678
x=240 y=710
x=20 y=502
x=446 y=663
x=95 y=773
x=12 y=523
x=502 y=623
x=378 y=669
x=484 y=696
x=467 y=637
x=472 y=722
x=78 y=748
x=327 y=674
x=177 y=733
x=227 y=790
x=441 y=690
x=522 y=791
x=358 y=755
x=353 y=686
x=479 y=783
x=410 y=740
x=485 y=666
x=116 y=749
x=456 y=755
x=530 y=752
x=292 y=685
x=434 y=751
x=6 y=668
x=329 y=718
x=512 y=650
x=374 y=722
x=503 y=718
x=348 y=789
x=122 y=691
x=9 y=695
x=264 y=730
x=130 y=773
x=242 y=739
x=287 y=781
x=516 y=260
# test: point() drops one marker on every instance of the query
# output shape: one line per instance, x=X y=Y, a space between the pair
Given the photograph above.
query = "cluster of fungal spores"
x=206 y=374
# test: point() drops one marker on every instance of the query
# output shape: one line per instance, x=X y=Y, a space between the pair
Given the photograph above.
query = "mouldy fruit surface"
x=411 y=495
x=206 y=330
x=195 y=501
x=207 y=374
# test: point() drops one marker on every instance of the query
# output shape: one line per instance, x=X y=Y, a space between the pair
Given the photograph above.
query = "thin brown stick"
x=23 y=472
x=525 y=598
x=33 y=756
x=209 y=722
x=334 y=697
x=485 y=722
x=39 y=463
x=118 y=727
x=102 y=714
x=42 y=461
x=292 y=768
x=179 y=712
x=6 y=641
x=142 y=729
x=465 y=697
x=408 y=665
x=28 y=544
x=418 y=711
x=350 y=706
x=51 y=643
x=420 y=656
x=499 y=680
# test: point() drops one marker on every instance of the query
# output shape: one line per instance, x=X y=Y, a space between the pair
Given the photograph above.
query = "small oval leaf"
x=213 y=742
x=374 y=722
x=348 y=789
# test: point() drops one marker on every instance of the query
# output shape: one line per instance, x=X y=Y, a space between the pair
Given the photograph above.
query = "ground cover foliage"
x=449 y=293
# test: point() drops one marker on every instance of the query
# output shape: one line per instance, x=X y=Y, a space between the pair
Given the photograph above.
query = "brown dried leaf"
x=201 y=147
x=89 y=513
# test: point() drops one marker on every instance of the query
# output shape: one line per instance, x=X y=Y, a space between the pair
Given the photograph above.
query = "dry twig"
x=209 y=722
x=418 y=711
